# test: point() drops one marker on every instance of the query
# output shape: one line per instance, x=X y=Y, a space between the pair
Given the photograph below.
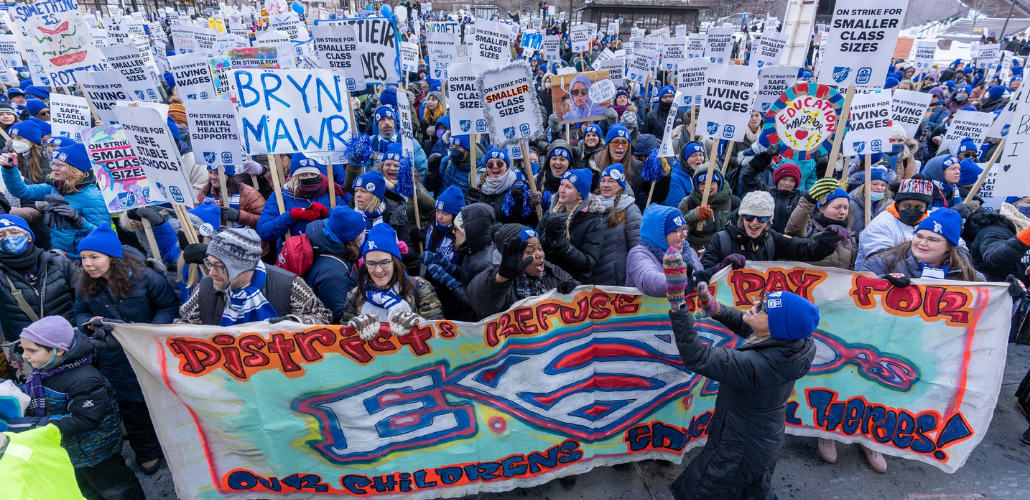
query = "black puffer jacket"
x=579 y=253
x=488 y=297
x=53 y=290
x=785 y=200
x=770 y=245
x=746 y=431
x=996 y=251
x=478 y=249
x=332 y=274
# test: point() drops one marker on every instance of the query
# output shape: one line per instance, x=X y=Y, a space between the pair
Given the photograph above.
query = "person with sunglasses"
x=385 y=293
x=36 y=108
x=755 y=381
x=753 y=237
x=504 y=188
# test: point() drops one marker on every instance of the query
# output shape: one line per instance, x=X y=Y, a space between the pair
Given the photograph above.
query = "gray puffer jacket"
x=618 y=239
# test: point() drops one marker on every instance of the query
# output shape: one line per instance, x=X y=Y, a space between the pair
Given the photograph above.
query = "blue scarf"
x=445 y=245
x=373 y=217
x=248 y=304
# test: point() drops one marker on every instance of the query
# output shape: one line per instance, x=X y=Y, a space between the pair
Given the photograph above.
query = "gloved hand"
x=307 y=214
x=832 y=233
x=735 y=260
x=433 y=163
x=555 y=229
x=707 y=306
x=545 y=200
x=897 y=279
x=823 y=187
x=230 y=214
x=252 y=168
x=102 y=337
x=512 y=262
x=367 y=326
x=518 y=195
x=54 y=198
x=442 y=277
x=402 y=323
x=194 y=253
x=320 y=209
x=675 y=278
x=403 y=247
x=699 y=214
x=277 y=319
x=566 y=286
x=68 y=213
x=534 y=198
x=150 y=214
x=762 y=160
x=1016 y=288
x=428 y=258
x=415 y=235
x=473 y=195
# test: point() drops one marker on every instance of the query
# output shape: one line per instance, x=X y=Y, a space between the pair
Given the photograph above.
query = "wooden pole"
x=987 y=169
x=222 y=187
x=708 y=178
x=273 y=163
x=154 y=249
x=414 y=203
x=529 y=176
x=838 y=131
x=868 y=187
x=726 y=157
x=332 y=186
x=253 y=178
x=88 y=101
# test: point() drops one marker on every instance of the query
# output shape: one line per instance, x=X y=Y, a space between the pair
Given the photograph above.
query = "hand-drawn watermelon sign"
x=803 y=119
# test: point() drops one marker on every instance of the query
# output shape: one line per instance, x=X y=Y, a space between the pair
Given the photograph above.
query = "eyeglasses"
x=385 y=264
x=495 y=163
x=578 y=92
x=619 y=143
x=45 y=112
x=216 y=268
x=761 y=302
x=929 y=239
x=752 y=218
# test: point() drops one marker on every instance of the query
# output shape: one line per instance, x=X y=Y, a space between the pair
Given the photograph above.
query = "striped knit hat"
x=239 y=249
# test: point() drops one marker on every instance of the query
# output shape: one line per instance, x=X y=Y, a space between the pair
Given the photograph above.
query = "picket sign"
x=838 y=134
x=987 y=168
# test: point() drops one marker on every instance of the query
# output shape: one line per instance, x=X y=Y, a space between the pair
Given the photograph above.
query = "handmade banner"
x=254 y=57
x=336 y=46
x=861 y=42
x=466 y=107
x=869 y=124
x=283 y=47
x=443 y=51
x=379 y=52
x=215 y=132
x=690 y=79
x=555 y=386
x=908 y=108
x=183 y=39
x=972 y=124
x=292 y=111
x=802 y=120
x=770 y=49
x=772 y=82
x=118 y=170
x=572 y=98
x=510 y=107
x=719 y=45
x=69 y=115
x=726 y=105
x=147 y=131
x=60 y=36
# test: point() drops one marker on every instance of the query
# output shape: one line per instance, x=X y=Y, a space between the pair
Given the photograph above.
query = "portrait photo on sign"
x=581 y=97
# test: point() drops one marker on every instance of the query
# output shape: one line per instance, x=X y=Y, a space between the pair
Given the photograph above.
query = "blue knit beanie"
x=966 y=144
x=945 y=222
x=876 y=157
x=35 y=106
x=383 y=238
x=26 y=130
x=673 y=221
x=373 y=182
x=383 y=112
x=652 y=225
x=593 y=128
x=668 y=89
x=691 y=148
x=60 y=141
x=837 y=193
x=645 y=144
x=209 y=217
x=104 y=240
x=37 y=92
x=969 y=172
x=345 y=223
x=74 y=155
x=461 y=141
x=300 y=164
x=616 y=131
x=790 y=316
x=394 y=151
x=890 y=83
x=702 y=175
x=388 y=97
x=879 y=173
x=996 y=92
x=229 y=169
x=14 y=92
x=581 y=178
x=44 y=127
x=496 y=152
x=8 y=221
x=172 y=127
x=451 y=200
x=617 y=174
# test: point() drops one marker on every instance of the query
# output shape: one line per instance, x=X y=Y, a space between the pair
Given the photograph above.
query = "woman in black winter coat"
x=619 y=149
x=572 y=233
x=784 y=190
x=336 y=244
x=505 y=189
x=621 y=227
x=476 y=223
x=558 y=160
x=1001 y=242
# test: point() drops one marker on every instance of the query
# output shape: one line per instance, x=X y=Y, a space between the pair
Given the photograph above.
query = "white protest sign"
x=148 y=134
x=466 y=107
x=510 y=106
x=443 y=51
x=637 y=32
x=907 y=109
x=726 y=105
x=192 y=76
x=336 y=46
x=552 y=46
x=770 y=49
x=580 y=35
x=772 y=81
x=378 y=49
x=924 y=52
x=58 y=32
x=69 y=115
x=616 y=68
x=681 y=30
x=104 y=89
x=690 y=80
x=214 y=132
x=869 y=125
x=719 y=45
x=696 y=45
x=666 y=149
x=638 y=66
x=861 y=42
x=207 y=41
x=9 y=53
x=291 y=111
x=491 y=43
x=675 y=52
x=1011 y=174
x=602 y=91
x=1000 y=128
x=126 y=60
x=988 y=55
x=972 y=124
x=409 y=57
x=613 y=27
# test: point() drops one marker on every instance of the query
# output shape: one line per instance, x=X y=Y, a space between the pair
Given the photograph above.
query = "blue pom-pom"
x=359 y=149
x=653 y=170
x=545 y=200
x=405 y=185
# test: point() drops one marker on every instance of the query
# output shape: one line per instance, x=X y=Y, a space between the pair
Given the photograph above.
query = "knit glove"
x=102 y=337
x=699 y=214
x=441 y=276
x=762 y=160
x=832 y=234
x=535 y=198
x=253 y=168
x=415 y=235
x=567 y=286
x=307 y=214
x=707 y=306
x=473 y=195
x=555 y=229
x=194 y=253
x=897 y=279
x=230 y=214
x=319 y=209
x=402 y=323
x=367 y=326
x=430 y=258
x=823 y=187
x=151 y=215
x=675 y=278
x=1016 y=288
x=512 y=263
x=735 y=260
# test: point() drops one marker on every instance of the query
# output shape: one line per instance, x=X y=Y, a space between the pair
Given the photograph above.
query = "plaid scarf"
x=34 y=384
x=529 y=286
x=249 y=304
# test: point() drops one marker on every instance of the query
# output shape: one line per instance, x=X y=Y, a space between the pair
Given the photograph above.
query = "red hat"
x=787 y=170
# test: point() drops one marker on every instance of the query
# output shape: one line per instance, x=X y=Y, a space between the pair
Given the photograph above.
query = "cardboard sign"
x=616 y=68
x=214 y=132
x=58 y=32
x=924 y=52
x=491 y=43
x=665 y=149
x=119 y=172
x=770 y=49
x=638 y=66
x=803 y=119
x=69 y=115
x=147 y=132
x=572 y=98
x=510 y=106
x=466 y=107
x=675 y=52
x=719 y=45
x=128 y=62
x=104 y=89
x=552 y=47
x=869 y=124
x=908 y=108
x=336 y=46
x=310 y=110
x=255 y=57
x=443 y=51
x=861 y=41
x=726 y=105
x=580 y=35
x=972 y=124
x=690 y=80
x=773 y=81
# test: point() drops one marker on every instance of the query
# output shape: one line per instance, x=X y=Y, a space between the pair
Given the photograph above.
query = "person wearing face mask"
x=786 y=178
x=958 y=100
x=661 y=228
x=754 y=238
x=305 y=199
x=523 y=272
x=901 y=158
x=944 y=172
x=385 y=293
x=933 y=252
x=559 y=160
x=25 y=151
x=880 y=198
x=456 y=168
x=715 y=215
x=621 y=227
x=572 y=232
x=811 y=216
x=336 y=243
x=505 y=189
x=897 y=222
x=437 y=141
x=654 y=122
x=442 y=258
